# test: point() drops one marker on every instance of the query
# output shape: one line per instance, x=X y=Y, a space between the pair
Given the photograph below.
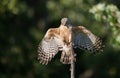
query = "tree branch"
x=72 y=68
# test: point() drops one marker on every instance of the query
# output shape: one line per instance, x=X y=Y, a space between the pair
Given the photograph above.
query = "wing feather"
x=48 y=48
x=86 y=40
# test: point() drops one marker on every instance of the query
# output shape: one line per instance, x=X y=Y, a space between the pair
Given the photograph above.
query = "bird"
x=65 y=38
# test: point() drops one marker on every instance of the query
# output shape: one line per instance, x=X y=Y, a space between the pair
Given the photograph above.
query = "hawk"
x=64 y=39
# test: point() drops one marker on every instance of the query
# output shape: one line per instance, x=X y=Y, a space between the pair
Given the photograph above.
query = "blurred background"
x=23 y=24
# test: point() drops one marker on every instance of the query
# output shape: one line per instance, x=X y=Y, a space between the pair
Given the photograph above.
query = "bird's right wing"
x=86 y=40
x=49 y=46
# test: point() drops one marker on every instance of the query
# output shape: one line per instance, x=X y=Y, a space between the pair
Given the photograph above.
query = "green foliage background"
x=23 y=24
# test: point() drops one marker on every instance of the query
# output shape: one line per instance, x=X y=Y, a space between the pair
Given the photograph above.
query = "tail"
x=66 y=58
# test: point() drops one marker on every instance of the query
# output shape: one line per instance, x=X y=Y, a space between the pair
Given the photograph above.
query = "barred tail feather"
x=65 y=58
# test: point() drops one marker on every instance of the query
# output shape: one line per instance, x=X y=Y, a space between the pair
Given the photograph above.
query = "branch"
x=72 y=68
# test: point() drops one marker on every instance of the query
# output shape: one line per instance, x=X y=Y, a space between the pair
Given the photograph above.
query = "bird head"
x=65 y=22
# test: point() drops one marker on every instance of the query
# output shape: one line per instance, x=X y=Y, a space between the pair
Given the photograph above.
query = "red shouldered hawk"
x=59 y=39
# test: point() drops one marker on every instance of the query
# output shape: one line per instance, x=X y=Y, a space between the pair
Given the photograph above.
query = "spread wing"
x=86 y=40
x=49 y=47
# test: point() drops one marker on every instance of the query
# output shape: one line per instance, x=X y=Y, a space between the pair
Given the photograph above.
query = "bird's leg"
x=73 y=54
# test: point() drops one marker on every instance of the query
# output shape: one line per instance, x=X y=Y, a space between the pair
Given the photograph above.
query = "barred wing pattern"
x=65 y=38
x=48 y=49
x=86 y=40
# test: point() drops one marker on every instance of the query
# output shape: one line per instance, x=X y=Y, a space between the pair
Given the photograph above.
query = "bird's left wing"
x=86 y=40
x=49 y=47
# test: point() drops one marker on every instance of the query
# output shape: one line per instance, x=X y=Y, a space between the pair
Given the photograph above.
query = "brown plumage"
x=59 y=39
